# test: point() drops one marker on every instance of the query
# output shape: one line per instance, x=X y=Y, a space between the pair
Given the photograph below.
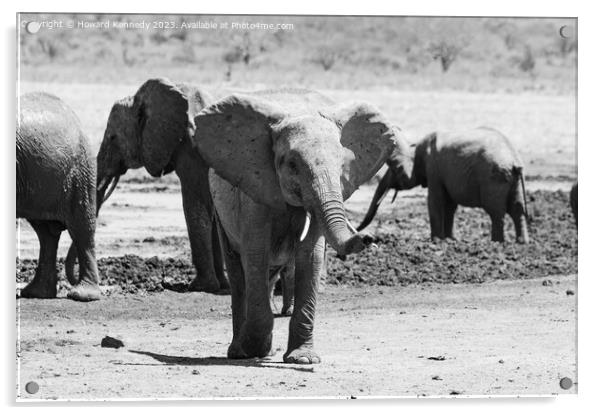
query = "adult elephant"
x=56 y=190
x=284 y=163
x=153 y=129
x=475 y=168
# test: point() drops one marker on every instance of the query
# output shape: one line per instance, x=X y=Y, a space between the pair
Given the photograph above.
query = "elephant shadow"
x=219 y=361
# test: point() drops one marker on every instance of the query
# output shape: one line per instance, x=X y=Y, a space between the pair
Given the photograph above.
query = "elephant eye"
x=293 y=166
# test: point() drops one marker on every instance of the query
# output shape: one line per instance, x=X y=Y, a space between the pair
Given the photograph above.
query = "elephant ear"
x=234 y=136
x=368 y=140
x=197 y=99
x=163 y=123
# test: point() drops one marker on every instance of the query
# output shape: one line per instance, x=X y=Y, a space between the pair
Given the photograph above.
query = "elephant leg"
x=256 y=331
x=82 y=232
x=199 y=226
x=436 y=207
x=520 y=226
x=323 y=273
x=287 y=276
x=518 y=213
x=218 y=258
x=497 y=226
x=275 y=276
x=448 y=220
x=309 y=261
x=44 y=282
x=238 y=293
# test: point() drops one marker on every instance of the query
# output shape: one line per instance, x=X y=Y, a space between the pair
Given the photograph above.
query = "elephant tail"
x=519 y=172
x=70 y=265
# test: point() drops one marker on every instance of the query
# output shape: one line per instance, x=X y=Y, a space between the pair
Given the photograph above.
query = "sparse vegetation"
x=477 y=54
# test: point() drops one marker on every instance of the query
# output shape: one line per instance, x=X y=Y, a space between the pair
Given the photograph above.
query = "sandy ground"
x=501 y=338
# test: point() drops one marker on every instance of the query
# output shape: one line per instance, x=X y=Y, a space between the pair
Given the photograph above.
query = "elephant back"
x=481 y=146
x=48 y=126
x=296 y=101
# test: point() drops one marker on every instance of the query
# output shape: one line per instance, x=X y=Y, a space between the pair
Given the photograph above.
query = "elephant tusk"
x=102 y=183
x=305 y=226
x=111 y=188
x=394 y=196
x=350 y=226
x=380 y=199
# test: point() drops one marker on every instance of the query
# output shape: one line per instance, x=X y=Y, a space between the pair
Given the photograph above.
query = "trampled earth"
x=406 y=318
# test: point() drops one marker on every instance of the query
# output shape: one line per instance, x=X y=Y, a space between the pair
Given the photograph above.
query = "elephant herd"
x=264 y=177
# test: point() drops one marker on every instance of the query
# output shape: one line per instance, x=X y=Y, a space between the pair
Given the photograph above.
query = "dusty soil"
x=409 y=318
x=495 y=338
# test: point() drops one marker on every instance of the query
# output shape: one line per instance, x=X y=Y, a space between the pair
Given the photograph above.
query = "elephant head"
x=145 y=130
x=313 y=161
x=404 y=172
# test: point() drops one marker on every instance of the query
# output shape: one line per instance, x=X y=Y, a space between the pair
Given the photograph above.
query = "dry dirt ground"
x=500 y=338
x=510 y=337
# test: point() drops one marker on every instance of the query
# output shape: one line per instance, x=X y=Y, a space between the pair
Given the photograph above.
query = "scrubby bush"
x=326 y=57
x=444 y=52
x=527 y=63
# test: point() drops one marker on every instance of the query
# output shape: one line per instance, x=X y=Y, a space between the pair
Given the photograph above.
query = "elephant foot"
x=211 y=286
x=303 y=355
x=287 y=312
x=235 y=351
x=522 y=240
x=251 y=346
x=224 y=287
x=37 y=289
x=84 y=292
x=258 y=346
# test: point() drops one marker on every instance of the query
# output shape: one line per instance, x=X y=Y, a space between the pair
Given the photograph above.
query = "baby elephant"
x=56 y=190
x=476 y=168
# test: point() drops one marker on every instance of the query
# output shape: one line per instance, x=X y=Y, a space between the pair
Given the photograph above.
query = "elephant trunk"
x=329 y=211
x=385 y=184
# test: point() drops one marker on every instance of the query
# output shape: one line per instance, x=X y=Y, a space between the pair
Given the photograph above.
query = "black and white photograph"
x=295 y=206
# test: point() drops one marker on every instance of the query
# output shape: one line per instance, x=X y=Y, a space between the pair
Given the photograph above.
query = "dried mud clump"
x=405 y=254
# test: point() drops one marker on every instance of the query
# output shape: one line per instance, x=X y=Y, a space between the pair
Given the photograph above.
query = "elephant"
x=153 y=130
x=474 y=168
x=56 y=190
x=286 y=276
x=574 y=198
x=282 y=164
